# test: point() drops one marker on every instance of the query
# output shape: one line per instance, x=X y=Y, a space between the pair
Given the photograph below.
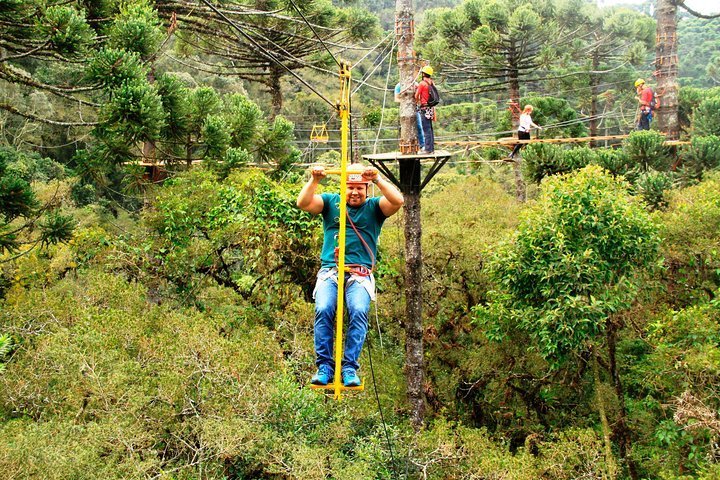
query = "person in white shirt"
x=524 y=127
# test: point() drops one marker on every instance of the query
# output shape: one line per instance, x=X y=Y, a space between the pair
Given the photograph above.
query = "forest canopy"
x=157 y=275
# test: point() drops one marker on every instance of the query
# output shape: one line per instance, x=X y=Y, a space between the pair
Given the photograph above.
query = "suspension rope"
x=378 y=64
x=265 y=53
x=313 y=30
x=377 y=399
x=382 y=116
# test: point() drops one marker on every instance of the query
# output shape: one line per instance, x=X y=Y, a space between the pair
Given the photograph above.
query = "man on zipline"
x=365 y=219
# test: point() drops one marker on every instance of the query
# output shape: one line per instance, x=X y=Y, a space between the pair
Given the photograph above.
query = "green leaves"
x=6 y=347
x=524 y=20
x=244 y=232
x=56 y=228
x=646 y=150
x=274 y=142
x=18 y=201
x=16 y=197
x=135 y=113
x=66 y=29
x=360 y=23
x=706 y=117
x=112 y=68
x=652 y=185
x=571 y=263
x=136 y=29
x=216 y=136
x=702 y=155
x=244 y=117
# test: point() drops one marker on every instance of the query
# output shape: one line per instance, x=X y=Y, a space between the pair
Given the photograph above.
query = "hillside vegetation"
x=156 y=275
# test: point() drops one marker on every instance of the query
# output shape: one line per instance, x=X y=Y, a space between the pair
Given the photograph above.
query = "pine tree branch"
x=681 y=4
x=30 y=116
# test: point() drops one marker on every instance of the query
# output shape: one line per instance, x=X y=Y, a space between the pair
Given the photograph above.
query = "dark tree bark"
x=621 y=430
x=666 y=69
x=594 y=91
x=514 y=86
x=406 y=65
x=414 y=354
x=275 y=90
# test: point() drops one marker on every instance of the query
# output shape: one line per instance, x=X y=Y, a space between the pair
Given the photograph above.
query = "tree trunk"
x=620 y=428
x=356 y=141
x=414 y=361
x=514 y=82
x=149 y=148
x=514 y=85
x=611 y=467
x=666 y=69
x=188 y=150
x=594 y=82
x=275 y=91
x=406 y=64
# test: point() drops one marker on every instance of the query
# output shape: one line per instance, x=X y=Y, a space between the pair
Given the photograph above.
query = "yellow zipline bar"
x=344 y=111
x=343 y=108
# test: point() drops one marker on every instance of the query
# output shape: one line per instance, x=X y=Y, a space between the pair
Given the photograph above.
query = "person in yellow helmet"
x=646 y=101
x=365 y=220
x=426 y=98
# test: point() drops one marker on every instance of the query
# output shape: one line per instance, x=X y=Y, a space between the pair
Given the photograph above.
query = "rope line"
x=265 y=53
x=379 y=404
x=315 y=32
x=382 y=115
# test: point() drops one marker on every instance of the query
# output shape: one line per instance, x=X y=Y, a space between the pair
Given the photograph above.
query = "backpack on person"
x=654 y=101
x=433 y=95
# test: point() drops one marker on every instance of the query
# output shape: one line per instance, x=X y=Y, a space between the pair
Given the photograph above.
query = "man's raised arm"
x=308 y=200
x=392 y=199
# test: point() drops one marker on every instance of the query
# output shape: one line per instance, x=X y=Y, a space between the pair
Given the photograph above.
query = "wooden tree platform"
x=410 y=168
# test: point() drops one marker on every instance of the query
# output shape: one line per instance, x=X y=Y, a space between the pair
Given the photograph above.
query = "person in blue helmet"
x=365 y=218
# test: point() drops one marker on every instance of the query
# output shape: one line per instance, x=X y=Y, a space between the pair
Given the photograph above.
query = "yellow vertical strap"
x=344 y=111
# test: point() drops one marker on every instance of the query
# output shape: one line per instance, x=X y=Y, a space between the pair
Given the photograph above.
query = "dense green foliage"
x=187 y=336
x=156 y=321
x=571 y=264
x=698 y=45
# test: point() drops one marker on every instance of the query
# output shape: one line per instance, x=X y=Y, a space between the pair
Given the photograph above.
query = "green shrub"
x=706 y=117
x=571 y=264
x=702 y=155
x=31 y=167
x=542 y=160
x=614 y=160
x=83 y=193
x=579 y=157
x=652 y=185
x=689 y=226
x=646 y=150
x=689 y=99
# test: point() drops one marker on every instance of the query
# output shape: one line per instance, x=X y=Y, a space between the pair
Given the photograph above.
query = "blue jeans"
x=421 y=137
x=427 y=128
x=357 y=302
x=645 y=119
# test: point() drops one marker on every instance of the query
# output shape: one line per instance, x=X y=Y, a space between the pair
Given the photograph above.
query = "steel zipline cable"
x=315 y=32
x=265 y=53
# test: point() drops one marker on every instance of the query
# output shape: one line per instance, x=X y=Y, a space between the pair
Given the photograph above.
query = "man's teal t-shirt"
x=368 y=220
